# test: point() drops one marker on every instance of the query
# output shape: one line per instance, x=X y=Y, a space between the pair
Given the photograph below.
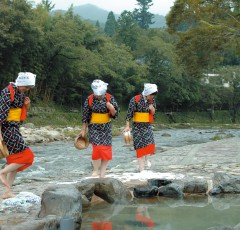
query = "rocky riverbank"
x=210 y=165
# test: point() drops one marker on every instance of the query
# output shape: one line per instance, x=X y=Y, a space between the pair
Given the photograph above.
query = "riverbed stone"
x=145 y=191
x=194 y=185
x=173 y=190
x=110 y=190
x=87 y=191
x=62 y=201
x=225 y=183
x=86 y=187
x=158 y=182
x=59 y=162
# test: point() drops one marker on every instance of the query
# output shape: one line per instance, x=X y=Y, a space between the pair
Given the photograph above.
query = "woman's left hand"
x=152 y=109
x=111 y=108
x=27 y=102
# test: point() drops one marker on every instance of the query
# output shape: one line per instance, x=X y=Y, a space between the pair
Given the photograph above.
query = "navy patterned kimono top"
x=10 y=129
x=99 y=134
x=142 y=131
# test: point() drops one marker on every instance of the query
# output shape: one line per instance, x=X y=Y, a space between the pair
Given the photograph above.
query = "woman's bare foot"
x=7 y=195
x=95 y=174
x=3 y=180
x=102 y=176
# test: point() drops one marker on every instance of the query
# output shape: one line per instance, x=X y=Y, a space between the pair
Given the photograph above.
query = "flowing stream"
x=60 y=162
x=191 y=213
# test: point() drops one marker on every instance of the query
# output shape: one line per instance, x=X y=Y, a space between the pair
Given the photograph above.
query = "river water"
x=191 y=213
x=164 y=214
x=60 y=162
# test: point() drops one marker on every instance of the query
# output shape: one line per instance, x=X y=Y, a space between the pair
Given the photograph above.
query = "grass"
x=61 y=117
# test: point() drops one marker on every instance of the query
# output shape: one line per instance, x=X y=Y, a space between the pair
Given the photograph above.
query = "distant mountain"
x=93 y=13
x=159 y=21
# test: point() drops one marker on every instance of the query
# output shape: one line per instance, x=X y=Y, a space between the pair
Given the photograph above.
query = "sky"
x=161 y=7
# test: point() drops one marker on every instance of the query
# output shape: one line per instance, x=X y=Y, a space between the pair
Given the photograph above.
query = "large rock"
x=62 y=201
x=158 y=182
x=224 y=183
x=195 y=185
x=164 y=187
x=110 y=190
x=145 y=191
x=87 y=191
x=172 y=190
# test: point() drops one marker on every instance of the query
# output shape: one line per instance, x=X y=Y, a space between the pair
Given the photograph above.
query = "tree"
x=111 y=25
x=142 y=15
x=19 y=39
x=47 y=4
x=208 y=32
x=128 y=30
x=97 y=24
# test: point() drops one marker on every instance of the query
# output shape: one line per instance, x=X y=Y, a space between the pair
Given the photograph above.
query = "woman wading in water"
x=99 y=109
x=13 y=109
x=141 y=110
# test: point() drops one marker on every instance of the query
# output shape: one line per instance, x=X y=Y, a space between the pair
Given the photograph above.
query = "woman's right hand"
x=126 y=129
x=81 y=134
x=83 y=131
x=1 y=138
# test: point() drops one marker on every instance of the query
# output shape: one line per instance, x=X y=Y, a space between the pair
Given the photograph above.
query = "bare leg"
x=103 y=168
x=147 y=161
x=141 y=163
x=96 y=165
x=10 y=179
x=3 y=179
x=7 y=177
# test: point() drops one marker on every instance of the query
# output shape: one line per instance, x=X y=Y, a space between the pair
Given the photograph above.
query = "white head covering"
x=149 y=89
x=99 y=87
x=25 y=79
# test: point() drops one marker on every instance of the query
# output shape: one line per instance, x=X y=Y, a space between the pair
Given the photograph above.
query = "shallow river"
x=164 y=214
x=191 y=213
x=61 y=162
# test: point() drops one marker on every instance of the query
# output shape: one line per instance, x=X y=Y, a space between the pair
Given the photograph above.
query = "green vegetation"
x=68 y=53
x=56 y=116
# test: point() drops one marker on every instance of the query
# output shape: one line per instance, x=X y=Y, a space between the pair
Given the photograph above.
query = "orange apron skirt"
x=25 y=157
x=150 y=149
x=101 y=152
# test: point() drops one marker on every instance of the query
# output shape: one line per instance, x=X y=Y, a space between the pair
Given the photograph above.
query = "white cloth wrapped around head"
x=25 y=79
x=149 y=89
x=99 y=87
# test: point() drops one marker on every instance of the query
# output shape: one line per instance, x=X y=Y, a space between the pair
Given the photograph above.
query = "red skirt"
x=150 y=149
x=101 y=152
x=25 y=157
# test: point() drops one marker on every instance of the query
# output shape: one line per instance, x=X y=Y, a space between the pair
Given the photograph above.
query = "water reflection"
x=198 y=213
x=105 y=225
x=143 y=217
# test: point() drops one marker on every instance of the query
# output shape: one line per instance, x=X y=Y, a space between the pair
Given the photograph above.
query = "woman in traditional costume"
x=141 y=111
x=13 y=110
x=99 y=109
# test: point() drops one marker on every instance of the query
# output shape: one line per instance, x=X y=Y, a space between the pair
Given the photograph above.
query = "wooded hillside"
x=68 y=53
